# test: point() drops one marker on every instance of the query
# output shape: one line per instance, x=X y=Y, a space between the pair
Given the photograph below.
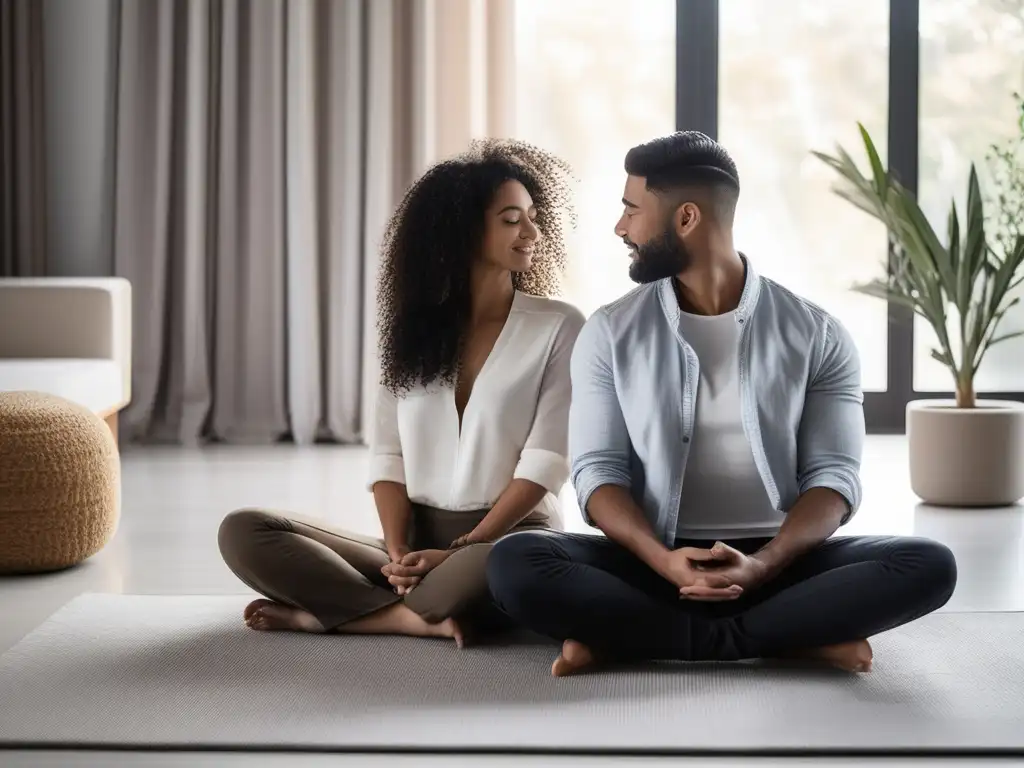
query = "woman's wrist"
x=397 y=551
x=473 y=537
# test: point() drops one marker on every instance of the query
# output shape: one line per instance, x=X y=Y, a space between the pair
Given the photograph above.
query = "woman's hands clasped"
x=407 y=569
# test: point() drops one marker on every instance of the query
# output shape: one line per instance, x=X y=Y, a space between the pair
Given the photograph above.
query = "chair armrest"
x=68 y=317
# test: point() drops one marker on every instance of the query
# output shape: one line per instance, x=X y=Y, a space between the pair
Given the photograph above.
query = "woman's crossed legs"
x=321 y=579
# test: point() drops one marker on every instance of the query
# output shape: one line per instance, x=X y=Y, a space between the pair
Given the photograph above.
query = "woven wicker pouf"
x=59 y=483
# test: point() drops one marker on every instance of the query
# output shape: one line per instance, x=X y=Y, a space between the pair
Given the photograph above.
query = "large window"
x=593 y=81
x=778 y=100
x=972 y=60
x=932 y=80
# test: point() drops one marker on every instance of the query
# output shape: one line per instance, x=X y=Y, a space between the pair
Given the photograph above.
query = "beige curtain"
x=447 y=77
x=260 y=146
x=22 y=133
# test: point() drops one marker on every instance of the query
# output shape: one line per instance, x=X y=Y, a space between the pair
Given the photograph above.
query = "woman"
x=470 y=440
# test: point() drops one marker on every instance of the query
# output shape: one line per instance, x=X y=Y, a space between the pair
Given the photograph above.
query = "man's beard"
x=660 y=257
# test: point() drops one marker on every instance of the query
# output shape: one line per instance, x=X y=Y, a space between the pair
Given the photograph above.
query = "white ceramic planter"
x=966 y=457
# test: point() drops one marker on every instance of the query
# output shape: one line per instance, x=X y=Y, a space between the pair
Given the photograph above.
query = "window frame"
x=696 y=108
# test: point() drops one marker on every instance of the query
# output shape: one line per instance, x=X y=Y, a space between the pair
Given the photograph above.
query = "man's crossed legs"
x=604 y=603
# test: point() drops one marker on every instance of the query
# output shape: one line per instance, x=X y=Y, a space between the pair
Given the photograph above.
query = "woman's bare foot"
x=451 y=628
x=400 y=619
x=396 y=619
x=268 y=616
x=574 y=658
x=855 y=656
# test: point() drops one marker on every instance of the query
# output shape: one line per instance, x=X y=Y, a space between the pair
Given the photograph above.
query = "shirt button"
x=686 y=439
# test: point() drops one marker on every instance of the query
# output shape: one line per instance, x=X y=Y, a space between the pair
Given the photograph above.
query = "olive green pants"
x=335 y=574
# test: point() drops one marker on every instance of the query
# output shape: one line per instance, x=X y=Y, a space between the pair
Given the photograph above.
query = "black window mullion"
x=697 y=66
x=904 y=114
x=697 y=59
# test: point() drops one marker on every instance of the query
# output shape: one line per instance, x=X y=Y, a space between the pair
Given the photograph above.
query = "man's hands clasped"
x=407 y=569
x=716 y=574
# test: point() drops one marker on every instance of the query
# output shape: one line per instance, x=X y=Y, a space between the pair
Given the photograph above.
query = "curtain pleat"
x=260 y=147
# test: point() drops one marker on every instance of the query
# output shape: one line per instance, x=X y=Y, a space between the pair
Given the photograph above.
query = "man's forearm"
x=395 y=512
x=518 y=500
x=613 y=511
x=815 y=516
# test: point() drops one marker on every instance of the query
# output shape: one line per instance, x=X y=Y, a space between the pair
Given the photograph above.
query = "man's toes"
x=575 y=657
x=560 y=667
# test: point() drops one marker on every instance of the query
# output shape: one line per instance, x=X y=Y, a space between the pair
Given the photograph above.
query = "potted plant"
x=963 y=452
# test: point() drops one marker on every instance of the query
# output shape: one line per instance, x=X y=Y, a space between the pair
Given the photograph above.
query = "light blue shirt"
x=634 y=390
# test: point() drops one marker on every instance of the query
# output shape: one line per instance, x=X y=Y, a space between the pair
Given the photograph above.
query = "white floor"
x=173 y=501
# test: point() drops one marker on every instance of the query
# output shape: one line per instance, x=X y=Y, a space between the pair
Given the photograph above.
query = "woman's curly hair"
x=433 y=238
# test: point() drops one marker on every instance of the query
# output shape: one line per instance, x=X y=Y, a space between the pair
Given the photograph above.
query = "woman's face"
x=510 y=229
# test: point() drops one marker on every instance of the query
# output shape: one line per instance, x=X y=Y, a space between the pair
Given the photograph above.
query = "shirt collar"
x=748 y=299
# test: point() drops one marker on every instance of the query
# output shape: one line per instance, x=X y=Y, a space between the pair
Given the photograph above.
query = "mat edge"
x=846 y=752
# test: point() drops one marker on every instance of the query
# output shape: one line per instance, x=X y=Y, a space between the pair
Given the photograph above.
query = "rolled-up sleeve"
x=598 y=439
x=830 y=442
x=386 y=462
x=544 y=459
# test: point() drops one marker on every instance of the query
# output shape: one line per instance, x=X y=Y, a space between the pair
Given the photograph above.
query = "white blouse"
x=515 y=424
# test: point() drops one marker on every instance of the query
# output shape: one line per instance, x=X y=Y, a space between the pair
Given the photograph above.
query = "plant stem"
x=965 y=393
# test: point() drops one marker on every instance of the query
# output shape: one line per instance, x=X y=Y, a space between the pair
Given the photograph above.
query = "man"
x=716 y=433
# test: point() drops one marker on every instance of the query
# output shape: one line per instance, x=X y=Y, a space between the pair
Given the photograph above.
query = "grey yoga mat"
x=177 y=672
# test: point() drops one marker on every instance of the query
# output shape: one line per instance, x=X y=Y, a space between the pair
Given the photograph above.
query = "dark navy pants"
x=590 y=589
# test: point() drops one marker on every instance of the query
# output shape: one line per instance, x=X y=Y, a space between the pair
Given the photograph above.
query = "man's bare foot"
x=574 y=658
x=268 y=616
x=855 y=656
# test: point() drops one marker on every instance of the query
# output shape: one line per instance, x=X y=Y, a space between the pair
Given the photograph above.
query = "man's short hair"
x=685 y=161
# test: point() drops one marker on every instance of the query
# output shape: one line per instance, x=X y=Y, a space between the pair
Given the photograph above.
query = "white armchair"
x=70 y=337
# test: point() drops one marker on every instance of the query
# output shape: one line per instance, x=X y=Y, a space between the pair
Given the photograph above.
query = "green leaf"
x=858 y=200
x=943 y=358
x=990 y=330
x=855 y=188
x=929 y=259
x=975 y=252
x=976 y=248
x=1005 y=337
x=881 y=177
x=978 y=322
x=1004 y=275
x=832 y=162
x=953 y=231
x=880 y=290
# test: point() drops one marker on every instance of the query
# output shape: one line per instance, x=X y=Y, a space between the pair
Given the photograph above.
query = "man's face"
x=646 y=227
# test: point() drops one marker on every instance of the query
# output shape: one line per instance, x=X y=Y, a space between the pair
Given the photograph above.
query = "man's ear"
x=686 y=219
